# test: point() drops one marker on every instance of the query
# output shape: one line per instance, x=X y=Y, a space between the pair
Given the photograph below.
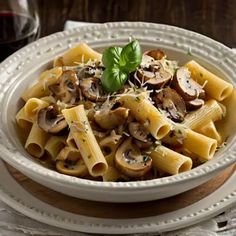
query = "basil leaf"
x=111 y=56
x=113 y=79
x=131 y=56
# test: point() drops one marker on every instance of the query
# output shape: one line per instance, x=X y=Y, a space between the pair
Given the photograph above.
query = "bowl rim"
x=214 y=48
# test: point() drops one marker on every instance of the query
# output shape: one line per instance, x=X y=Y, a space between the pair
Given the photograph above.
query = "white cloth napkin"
x=13 y=223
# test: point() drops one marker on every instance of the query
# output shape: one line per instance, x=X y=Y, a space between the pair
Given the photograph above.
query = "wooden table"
x=214 y=18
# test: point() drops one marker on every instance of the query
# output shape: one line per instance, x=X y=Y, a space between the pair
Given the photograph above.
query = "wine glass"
x=19 y=25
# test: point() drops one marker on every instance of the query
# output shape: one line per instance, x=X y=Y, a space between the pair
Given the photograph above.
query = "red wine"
x=15 y=32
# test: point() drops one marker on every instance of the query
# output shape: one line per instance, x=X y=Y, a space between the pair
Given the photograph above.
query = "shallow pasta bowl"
x=22 y=69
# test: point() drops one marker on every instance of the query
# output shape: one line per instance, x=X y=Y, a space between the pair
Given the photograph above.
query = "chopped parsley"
x=145 y=159
x=137 y=99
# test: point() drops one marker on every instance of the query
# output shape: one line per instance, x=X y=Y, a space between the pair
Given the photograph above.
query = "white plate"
x=20 y=69
x=22 y=201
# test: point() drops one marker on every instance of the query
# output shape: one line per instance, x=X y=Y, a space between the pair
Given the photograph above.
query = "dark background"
x=214 y=18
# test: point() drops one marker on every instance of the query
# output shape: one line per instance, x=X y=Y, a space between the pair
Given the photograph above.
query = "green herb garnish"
x=119 y=62
x=145 y=159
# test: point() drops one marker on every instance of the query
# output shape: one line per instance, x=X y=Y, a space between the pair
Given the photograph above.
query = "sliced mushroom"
x=109 y=119
x=138 y=131
x=92 y=89
x=130 y=161
x=155 y=76
x=67 y=89
x=50 y=120
x=169 y=100
x=194 y=104
x=186 y=86
x=70 y=162
x=156 y=54
x=89 y=71
x=143 y=145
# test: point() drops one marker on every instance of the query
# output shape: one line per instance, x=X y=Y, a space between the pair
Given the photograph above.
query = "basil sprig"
x=119 y=62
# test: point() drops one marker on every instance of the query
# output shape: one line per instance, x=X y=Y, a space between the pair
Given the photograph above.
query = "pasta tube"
x=54 y=146
x=169 y=161
x=70 y=140
x=22 y=120
x=215 y=87
x=80 y=53
x=85 y=140
x=38 y=90
x=211 y=111
x=148 y=114
x=210 y=131
x=199 y=144
x=32 y=106
x=36 y=141
x=51 y=76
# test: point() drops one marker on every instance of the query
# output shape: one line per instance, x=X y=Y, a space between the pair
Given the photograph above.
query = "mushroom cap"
x=143 y=145
x=67 y=89
x=92 y=89
x=154 y=76
x=89 y=71
x=76 y=169
x=156 y=54
x=170 y=101
x=50 y=121
x=138 y=131
x=194 y=104
x=70 y=162
x=111 y=118
x=129 y=160
x=188 y=88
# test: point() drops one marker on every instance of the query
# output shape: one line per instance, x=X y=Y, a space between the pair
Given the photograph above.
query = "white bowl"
x=22 y=68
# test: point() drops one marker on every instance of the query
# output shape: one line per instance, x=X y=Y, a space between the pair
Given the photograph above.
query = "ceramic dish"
x=30 y=205
x=23 y=67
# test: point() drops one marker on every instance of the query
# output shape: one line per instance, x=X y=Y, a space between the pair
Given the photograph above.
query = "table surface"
x=214 y=18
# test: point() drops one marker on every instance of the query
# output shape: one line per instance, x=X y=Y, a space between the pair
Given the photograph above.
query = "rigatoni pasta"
x=210 y=111
x=148 y=114
x=32 y=106
x=210 y=131
x=85 y=140
x=36 y=141
x=169 y=161
x=23 y=120
x=123 y=115
x=216 y=87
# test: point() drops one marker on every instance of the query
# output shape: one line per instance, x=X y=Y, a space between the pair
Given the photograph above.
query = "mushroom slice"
x=143 y=145
x=89 y=71
x=170 y=101
x=138 y=131
x=109 y=119
x=50 y=121
x=194 y=104
x=92 y=89
x=186 y=86
x=155 y=76
x=130 y=161
x=70 y=162
x=156 y=54
x=67 y=89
